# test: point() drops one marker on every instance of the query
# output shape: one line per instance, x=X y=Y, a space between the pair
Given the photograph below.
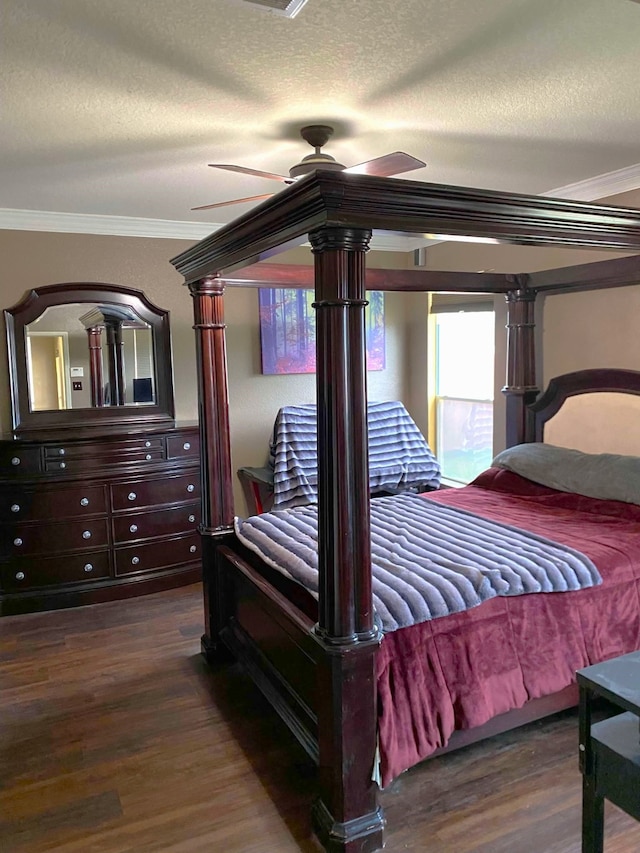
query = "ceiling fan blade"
x=244 y=170
x=386 y=166
x=233 y=201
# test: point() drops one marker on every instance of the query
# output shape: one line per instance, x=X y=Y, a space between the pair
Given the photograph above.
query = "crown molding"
x=113 y=226
x=168 y=229
x=600 y=186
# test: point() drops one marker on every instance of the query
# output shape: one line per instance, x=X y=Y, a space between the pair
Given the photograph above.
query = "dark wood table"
x=610 y=748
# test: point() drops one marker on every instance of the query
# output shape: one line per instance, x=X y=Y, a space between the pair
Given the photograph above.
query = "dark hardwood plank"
x=115 y=737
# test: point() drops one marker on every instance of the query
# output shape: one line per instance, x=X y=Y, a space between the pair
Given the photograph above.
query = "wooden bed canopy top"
x=335 y=199
x=337 y=212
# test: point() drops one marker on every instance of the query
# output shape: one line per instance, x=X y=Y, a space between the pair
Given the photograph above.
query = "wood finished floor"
x=116 y=738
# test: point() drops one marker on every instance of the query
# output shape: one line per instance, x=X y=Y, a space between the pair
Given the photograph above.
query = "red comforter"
x=461 y=670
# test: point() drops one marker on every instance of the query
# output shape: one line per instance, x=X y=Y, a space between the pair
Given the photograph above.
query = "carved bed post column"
x=520 y=388
x=94 y=335
x=215 y=450
x=346 y=816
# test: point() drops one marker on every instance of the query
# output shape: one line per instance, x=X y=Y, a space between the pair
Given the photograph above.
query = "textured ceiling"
x=116 y=106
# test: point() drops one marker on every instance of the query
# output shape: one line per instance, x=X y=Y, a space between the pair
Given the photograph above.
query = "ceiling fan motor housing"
x=316 y=135
x=313 y=162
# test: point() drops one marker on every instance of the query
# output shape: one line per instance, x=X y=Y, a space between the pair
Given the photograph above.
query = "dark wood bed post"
x=215 y=467
x=346 y=816
x=94 y=337
x=520 y=389
x=113 y=329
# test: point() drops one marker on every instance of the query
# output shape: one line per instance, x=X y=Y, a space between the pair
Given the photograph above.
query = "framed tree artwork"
x=288 y=330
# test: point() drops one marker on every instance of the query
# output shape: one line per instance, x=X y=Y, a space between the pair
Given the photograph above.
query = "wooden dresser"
x=90 y=519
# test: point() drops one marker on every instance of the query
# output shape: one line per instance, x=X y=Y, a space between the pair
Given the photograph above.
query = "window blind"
x=449 y=303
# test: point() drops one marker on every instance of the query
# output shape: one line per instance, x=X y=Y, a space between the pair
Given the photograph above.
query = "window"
x=464 y=383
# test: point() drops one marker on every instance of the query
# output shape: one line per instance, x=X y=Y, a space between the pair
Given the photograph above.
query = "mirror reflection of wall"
x=48 y=371
x=60 y=368
x=78 y=370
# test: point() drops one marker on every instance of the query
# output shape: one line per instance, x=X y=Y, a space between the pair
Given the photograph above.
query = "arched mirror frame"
x=30 y=423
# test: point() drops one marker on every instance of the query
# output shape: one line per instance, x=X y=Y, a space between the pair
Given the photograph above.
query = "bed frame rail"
x=274 y=641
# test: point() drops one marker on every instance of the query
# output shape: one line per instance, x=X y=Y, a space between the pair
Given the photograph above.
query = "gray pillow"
x=608 y=476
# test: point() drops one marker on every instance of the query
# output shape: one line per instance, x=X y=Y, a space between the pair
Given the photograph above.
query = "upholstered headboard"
x=595 y=411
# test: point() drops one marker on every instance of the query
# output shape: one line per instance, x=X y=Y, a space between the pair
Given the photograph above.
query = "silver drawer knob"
x=133 y=528
x=17 y=541
x=63 y=464
x=193 y=549
x=186 y=446
x=191 y=487
x=15 y=507
x=19 y=576
x=135 y=561
x=148 y=456
x=132 y=496
x=192 y=518
x=88 y=567
x=61 y=451
x=86 y=534
x=147 y=444
x=84 y=502
x=15 y=460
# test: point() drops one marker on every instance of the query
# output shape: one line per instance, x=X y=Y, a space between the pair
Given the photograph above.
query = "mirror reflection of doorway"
x=48 y=371
x=105 y=347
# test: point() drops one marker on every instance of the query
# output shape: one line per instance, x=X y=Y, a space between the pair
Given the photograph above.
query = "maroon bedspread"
x=461 y=670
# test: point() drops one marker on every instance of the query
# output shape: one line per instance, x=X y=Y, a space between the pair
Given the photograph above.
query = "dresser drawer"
x=168 y=490
x=54 y=537
x=155 y=556
x=16 y=460
x=92 y=458
x=97 y=449
x=183 y=447
x=18 y=504
x=158 y=522
x=22 y=573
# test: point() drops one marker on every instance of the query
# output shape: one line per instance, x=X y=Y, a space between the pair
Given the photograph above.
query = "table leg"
x=592 y=817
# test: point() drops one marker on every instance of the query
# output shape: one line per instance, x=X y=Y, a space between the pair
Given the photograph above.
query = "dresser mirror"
x=88 y=355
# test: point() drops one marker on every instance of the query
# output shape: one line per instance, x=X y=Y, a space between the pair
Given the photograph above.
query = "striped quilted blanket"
x=428 y=559
x=398 y=453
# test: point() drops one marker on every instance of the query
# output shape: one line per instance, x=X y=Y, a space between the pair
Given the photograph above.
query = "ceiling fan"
x=317 y=135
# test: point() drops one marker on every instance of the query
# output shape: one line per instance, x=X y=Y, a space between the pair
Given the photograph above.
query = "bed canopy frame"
x=319 y=673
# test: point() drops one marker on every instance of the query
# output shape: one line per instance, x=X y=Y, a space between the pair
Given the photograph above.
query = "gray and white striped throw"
x=428 y=559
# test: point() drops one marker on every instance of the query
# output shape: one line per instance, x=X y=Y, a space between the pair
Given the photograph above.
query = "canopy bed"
x=323 y=664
